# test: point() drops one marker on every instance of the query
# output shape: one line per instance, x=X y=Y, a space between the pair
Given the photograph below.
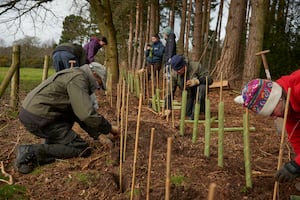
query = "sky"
x=48 y=27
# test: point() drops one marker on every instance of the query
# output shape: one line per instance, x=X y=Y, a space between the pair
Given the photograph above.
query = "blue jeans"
x=61 y=60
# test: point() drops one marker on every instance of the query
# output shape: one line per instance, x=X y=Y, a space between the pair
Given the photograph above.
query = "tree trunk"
x=154 y=17
x=187 y=35
x=136 y=36
x=231 y=52
x=197 y=35
x=172 y=14
x=180 y=42
x=255 y=43
x=141 y=37
x=106 y=26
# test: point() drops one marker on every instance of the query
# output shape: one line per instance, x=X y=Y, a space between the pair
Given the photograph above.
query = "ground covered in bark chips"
x=97 y=177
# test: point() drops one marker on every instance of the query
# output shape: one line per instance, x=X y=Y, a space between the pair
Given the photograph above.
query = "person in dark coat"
x=170 y=49
x=196 y=76
x=50 y=110
x=65 y=52
x=92 y=47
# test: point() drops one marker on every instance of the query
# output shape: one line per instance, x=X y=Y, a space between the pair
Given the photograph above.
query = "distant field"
x=29 y=77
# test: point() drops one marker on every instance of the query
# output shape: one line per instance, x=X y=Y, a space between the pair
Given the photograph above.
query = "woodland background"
x=252 y=26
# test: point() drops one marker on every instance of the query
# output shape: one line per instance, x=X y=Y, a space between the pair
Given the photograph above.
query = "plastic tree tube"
x=247 y=149
x=221 y=134
x=183 y=111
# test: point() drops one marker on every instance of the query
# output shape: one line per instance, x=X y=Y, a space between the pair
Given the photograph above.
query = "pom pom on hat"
x=177 y=62
x=260 y=96
x=100 y=70
x=167 y=30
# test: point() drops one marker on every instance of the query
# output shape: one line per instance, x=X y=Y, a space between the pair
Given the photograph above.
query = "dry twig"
x=10 y=179
x=92 y=160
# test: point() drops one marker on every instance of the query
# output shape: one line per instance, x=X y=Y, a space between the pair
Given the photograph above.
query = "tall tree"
x=231 y=53
x=180 y=42
x=255 y=42
x=154 y=17
x=188 y=25
x=74 y=29
x=197 y=37
x=106 y=26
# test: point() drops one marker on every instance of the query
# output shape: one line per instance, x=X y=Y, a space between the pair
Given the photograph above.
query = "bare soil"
x=98 y=176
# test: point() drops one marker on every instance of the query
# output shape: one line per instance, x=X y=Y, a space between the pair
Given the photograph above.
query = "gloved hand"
x=192 y=82
x=115 y=131
x=105 y=141
x=288 y=172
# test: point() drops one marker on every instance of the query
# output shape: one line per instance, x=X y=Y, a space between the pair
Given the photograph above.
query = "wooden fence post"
x=15 y=64
x=46 y=68
x=15 y=81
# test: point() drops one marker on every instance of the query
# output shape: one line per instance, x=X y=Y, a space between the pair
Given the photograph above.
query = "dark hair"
x=156 y=35
x=103 y=39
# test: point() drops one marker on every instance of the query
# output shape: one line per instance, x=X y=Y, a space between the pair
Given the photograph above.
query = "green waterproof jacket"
x=194 y=71
x=65 y=96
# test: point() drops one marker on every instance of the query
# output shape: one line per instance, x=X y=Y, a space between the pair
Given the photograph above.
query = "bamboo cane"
x=211 y=192
x=168 y=170
x=157 y=94
x=118 y=104
x=110 y=86
x=247 y=149
x=126 y=123
x=137 y=86
x=136 y=146
x=163 y=92
x=156 y=78
x=221 y=127
x=282 y=140
x=121 y=134
x=172 y=110
x=46 y=67
x=142 y=88
x=167 y=95
x=147 y=85
x=150 y=163
x=207 y=123
x=196 y=117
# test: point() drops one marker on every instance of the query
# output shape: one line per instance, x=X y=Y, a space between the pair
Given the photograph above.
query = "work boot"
x=26 y=159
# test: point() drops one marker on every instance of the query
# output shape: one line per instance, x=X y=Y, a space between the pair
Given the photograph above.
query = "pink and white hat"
x=260 y=96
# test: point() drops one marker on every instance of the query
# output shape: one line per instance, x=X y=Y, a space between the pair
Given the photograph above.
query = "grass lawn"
x=29 y=77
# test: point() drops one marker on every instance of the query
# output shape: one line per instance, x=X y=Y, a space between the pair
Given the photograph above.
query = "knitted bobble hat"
x=260 y=96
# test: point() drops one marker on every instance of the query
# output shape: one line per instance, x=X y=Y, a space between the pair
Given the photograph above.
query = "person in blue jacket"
x=154 y=55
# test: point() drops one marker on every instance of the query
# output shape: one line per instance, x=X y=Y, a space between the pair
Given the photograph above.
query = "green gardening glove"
x=288 y=172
